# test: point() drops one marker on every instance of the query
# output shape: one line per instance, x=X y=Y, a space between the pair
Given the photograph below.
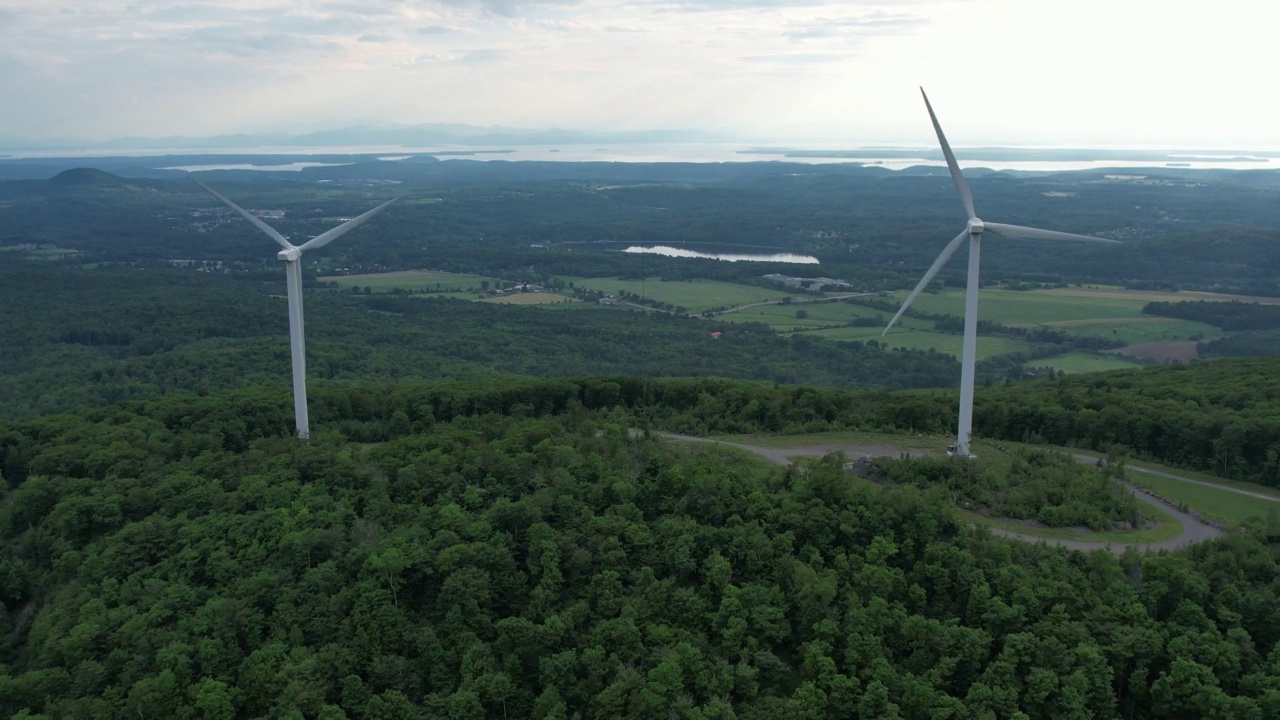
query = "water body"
x=288 y=167
x=669 y=251
x=805 y=154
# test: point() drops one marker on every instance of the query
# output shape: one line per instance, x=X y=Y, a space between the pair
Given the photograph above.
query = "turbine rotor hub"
x=290 y=255
x=976 y=227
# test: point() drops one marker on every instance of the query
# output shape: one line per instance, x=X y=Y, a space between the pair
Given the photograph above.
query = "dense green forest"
x=487 y=522
x=1233 y=315
x=514 y=552
x=90 y=337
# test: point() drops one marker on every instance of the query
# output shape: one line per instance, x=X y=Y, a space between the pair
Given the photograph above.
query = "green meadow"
x=804 y=315
x=1105 y=312
x=697 y=296
x=1213 y=502
x=911 y=339
x=1082 y=362
x=426 y=280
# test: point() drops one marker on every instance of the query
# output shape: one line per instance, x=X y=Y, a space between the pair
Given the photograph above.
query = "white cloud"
x=1093 y=71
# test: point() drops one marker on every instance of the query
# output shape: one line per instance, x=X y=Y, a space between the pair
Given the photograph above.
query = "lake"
x=669 y=251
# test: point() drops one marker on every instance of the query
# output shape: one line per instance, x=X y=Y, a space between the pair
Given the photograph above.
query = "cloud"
x=796 y=58
x=509 y=8
x=374 y=38
x=484 y=55
x=477 y=56
x=872 y=25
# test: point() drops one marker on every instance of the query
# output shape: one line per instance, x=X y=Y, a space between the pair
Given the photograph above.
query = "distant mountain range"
x=407 y=136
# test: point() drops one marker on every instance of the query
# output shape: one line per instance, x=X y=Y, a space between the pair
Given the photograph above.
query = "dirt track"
x=1193 y=531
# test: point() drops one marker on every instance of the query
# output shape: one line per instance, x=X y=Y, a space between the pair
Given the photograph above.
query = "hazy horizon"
x=999 y=72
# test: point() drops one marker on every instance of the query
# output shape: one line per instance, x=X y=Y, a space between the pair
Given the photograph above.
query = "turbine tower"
x=973 y=233
x=292 y=255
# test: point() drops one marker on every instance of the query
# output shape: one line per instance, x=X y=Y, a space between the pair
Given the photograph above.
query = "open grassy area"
x=428 y=280
x=1081 y=362
x=1034 y=307
x=1146 y=296
x=1101 y=312
x=1136 y=331
x=920 y=339
x=695 y=295
x=532 y=298
x=823 y=314
x=1212 y=502
x=1205 y=477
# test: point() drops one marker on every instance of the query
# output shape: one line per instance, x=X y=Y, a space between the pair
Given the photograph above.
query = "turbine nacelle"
x=290 y=255
x=976 y=227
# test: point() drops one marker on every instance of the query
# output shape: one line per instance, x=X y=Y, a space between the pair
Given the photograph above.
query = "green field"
x=1082 y=311
x=695 y=295
x=532 y=298
x=427 y=280
x=823 y=314
x=925 y=340
x=1137 y=331
x=1205 y=477
x=1082 y=362
x=1215 y=503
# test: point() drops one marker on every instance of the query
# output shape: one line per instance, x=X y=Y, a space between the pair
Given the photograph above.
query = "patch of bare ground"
x=1182 y=350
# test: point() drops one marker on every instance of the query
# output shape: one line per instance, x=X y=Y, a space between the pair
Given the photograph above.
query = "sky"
x=1083 y=73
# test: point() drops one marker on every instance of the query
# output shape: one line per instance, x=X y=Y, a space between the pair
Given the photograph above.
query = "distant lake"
x=293 y=167
x=669 y=251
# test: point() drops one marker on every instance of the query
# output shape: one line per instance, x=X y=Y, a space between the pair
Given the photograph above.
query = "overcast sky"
x=1015 y=72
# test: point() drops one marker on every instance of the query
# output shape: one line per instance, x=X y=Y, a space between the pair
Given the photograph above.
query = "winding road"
x=1193 y=530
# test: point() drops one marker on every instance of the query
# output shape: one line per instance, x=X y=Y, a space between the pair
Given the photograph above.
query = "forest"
x=516 y=552
x=490 y=520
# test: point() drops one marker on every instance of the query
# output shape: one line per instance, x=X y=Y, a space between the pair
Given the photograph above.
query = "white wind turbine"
x=292 y=255
x=976 y=228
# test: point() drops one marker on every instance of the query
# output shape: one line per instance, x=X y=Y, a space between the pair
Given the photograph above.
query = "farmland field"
x=531 y=298
x=925 y=340
x=1080 y=362
x=427 y=280
x=1140 y=330
x=696 y=295
x=1080 y=311
x=1034 y=307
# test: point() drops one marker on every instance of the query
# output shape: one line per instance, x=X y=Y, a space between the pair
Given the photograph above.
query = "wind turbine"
x=973 y=232
x=292 y=255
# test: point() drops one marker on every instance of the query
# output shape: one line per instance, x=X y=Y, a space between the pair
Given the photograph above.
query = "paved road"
x=1193 y=531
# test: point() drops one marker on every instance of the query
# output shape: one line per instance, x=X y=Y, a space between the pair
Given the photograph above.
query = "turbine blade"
x=1030 y=233
x=257 y=222
x=330 y=235
x=947 y=252
x=956 y=176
